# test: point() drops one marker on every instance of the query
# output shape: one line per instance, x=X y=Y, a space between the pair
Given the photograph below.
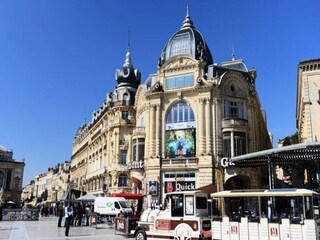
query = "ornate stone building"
x=174 y=131
x=100 y=149
x=308 y=100
x=197 y=114
x=11 y=177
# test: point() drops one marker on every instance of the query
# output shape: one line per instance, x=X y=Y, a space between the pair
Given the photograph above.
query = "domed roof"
x=128 y=76
x=188 y=41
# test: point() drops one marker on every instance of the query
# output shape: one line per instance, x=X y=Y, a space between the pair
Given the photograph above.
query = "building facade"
x=11 y=177
x=176 y=131
x=99 y=162
x=308 y=100
x=196 y=115
x=48 y=187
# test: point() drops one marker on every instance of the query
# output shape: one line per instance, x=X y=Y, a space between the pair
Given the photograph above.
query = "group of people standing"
x=74 y=214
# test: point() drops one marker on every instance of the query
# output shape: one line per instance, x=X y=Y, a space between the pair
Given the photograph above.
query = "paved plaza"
x=46 y=228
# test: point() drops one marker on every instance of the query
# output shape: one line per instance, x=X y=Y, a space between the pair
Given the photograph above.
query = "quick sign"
x=185 y=186
x=226 y=162
x=179 y=186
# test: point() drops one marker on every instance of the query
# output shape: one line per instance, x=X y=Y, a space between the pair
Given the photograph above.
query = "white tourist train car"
x=275 y=214
x=184 y=217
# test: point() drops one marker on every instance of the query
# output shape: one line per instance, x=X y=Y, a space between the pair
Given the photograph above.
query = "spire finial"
x=129 y=28
x=128 y=55
x=233 y=55
x=187 y=8
x=187 y=21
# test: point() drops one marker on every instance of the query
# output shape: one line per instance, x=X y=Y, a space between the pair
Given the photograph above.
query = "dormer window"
x=180 y=45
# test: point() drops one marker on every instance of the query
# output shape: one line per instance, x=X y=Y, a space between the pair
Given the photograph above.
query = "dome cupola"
x=188 y=41
x=127 y=76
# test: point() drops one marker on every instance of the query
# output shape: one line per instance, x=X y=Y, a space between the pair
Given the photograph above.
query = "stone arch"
x=237 y=182
x=234 y=84
x=169 y=107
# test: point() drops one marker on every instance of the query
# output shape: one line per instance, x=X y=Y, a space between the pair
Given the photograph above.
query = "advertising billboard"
x=180 y=143
x=153 y=188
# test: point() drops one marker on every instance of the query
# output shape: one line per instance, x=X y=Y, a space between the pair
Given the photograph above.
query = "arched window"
x=122 y=180
x=180 y=45
x=180 y=112
x=126 y=97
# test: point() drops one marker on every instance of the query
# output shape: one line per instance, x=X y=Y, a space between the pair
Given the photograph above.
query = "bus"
x=274 y=214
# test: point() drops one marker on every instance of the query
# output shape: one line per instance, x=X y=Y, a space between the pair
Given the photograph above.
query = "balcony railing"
x=234 y=122
x=184 y=161
x=139 y=131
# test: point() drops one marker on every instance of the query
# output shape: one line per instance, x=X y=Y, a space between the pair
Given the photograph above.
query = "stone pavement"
x=46 y=229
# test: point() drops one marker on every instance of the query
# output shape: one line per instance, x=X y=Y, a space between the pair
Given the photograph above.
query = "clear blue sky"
x=58 y=59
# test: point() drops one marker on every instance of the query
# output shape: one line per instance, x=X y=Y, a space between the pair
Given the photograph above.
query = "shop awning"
x=208 y=189
x=288 y=155
x=137 y=182
x=86 y=198
x=128 y=195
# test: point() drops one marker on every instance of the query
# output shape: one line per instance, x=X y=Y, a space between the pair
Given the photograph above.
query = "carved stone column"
x=201 y=120
x=158 y=128
x=116 y=147
x=208 y=127
x=152 y=130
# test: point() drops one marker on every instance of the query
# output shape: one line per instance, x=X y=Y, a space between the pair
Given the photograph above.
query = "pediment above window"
x=179 y=64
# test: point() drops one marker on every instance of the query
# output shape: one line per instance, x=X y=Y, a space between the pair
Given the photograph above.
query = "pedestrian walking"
x=68 y=216
x=79 y=213
x=60 y=213
x=88 y=214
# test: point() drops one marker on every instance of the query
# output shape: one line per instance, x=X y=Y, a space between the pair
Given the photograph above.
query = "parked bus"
x=280 y=214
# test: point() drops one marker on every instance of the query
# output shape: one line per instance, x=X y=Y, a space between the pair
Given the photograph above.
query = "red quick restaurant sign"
x=179 y=186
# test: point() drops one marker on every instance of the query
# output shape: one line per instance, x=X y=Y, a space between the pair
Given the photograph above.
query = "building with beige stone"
x=11 y=177
x=176 y=131
x=197 y=114
x=100 y=148
x=308 y=100
x=48 y=187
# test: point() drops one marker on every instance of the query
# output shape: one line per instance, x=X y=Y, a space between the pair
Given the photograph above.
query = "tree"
x=289 y=140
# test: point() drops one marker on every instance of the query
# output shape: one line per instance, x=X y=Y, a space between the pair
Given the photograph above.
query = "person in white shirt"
x=68 y=210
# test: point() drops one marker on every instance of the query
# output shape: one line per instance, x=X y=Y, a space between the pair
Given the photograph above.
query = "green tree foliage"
x=289 y=140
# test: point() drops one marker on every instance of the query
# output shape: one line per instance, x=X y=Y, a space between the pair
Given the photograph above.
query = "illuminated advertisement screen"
x=180 y=143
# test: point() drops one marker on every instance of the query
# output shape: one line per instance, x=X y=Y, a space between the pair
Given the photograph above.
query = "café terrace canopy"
x=289 y=155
